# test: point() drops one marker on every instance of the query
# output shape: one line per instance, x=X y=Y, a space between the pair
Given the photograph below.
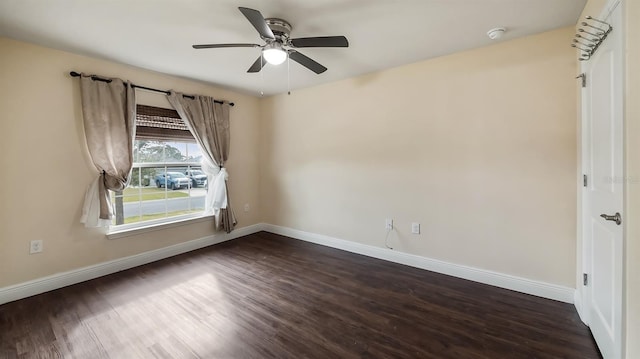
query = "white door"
x=603 y=165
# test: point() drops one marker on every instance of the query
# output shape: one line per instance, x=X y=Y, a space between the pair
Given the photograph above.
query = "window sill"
x=142 y=228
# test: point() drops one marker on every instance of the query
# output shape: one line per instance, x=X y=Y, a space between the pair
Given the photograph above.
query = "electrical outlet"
x=247 y=207
x=415 y=228
x=388 y=223
x=36 y=246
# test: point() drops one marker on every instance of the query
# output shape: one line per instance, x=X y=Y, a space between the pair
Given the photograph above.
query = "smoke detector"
x=496 y=33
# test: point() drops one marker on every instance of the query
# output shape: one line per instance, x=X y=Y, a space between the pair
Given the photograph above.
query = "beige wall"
x=479 y=147
x=46 y=169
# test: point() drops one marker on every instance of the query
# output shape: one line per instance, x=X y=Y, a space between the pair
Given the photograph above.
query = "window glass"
x=166 y=182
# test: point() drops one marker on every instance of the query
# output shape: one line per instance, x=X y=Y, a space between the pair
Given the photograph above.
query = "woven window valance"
x=160 y=123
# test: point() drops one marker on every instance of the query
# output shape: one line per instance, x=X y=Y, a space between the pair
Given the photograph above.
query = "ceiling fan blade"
x=215 y=46
x=257 y=20
x=321 y=41
x=306 y=62
x=257 y=65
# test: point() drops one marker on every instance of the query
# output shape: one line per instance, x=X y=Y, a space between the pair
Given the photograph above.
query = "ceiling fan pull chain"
x=288 y=75
x=261 y=76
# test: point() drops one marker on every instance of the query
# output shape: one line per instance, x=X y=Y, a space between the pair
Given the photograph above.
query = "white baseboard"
x=523 y=285
x=59 y=280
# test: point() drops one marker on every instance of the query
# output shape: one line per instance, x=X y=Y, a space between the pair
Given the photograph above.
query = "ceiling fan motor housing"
x=280 y=28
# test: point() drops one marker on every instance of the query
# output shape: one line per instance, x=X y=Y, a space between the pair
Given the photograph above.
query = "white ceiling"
x=158 y=34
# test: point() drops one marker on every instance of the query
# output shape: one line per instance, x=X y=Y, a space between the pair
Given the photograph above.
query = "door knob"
x=616 y=218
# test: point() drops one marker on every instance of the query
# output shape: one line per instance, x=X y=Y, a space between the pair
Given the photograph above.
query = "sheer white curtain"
x=208 y=121
x=108 y=111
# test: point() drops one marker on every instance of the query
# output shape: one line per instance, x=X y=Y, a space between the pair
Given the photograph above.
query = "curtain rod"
x=96 y=78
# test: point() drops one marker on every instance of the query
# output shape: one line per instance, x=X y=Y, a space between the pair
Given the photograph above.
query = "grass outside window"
x=131 y=194
x=149 y=217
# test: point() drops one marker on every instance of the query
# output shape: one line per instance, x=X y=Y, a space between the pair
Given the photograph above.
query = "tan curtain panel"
x=108 y=111
x=208 y=121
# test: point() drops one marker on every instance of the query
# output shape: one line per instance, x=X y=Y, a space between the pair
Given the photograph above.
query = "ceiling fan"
x=278 y=45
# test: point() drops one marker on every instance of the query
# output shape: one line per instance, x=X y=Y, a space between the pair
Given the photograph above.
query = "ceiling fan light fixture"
x=274 y=54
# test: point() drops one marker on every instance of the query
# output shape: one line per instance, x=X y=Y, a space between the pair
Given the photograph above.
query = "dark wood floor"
x=267 y=296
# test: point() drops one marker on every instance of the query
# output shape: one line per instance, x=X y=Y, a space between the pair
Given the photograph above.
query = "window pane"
x=136 y=150
x=146 y=202
x=148 y=151
x=194 y=154
x=175 y=151
x=168 y=194
x=198 y=188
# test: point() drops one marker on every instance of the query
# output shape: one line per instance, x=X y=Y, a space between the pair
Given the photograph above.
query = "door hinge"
x=583 y=76
x=584 y=180
x=585 y=278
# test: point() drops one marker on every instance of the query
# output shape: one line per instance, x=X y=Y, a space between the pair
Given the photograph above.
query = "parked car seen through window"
x=172 y=180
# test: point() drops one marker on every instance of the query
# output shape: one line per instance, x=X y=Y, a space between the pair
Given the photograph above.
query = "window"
x=167 y=182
